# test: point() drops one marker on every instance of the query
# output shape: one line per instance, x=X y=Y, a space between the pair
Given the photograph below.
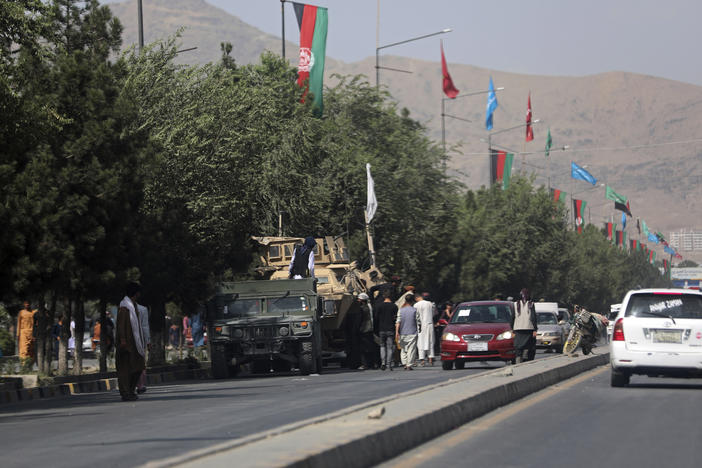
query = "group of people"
x=387 y=328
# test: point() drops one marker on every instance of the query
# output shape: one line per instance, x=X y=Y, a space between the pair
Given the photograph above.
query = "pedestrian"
x=524 y=327
x=407 y=326
x=187 y=331
x=26 y=349
x=302 y=261
x=352 y=331
x=173 y=334
x=107 y=333
x=56 y=337
x=143 y=313
x=130 y=344
x=385 y=315
x=377 y=292
x=198 y=330
x=445 y=314
x=425 y=338
x=368 y=346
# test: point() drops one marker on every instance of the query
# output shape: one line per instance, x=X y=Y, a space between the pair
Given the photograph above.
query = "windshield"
x=673 y=305
x=240 y=308
x=498 y=313
x=546 y=319
x=288 y=305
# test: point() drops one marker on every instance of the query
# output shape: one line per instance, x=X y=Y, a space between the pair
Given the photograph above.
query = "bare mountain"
x=625 y=127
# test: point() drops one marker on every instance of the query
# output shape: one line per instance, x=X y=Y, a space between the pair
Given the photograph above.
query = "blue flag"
x=491 y=106
x=653 y=238
x=577 y=172
x=623 y=220
x=669 y=250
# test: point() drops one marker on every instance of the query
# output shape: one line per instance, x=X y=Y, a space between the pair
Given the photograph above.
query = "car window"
x=666 y=304
x=240 y=308
x=496 y=313
x=546 y=319
x=288 y=305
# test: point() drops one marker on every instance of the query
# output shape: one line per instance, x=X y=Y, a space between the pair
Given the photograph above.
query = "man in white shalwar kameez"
x=425 y=339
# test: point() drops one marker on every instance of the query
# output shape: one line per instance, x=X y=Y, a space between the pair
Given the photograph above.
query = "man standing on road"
x=302 y=261
x=524 y=327
x=425 y=338
x=385 y=315
x=406 y=329
x=146 y=333
x=130 y=344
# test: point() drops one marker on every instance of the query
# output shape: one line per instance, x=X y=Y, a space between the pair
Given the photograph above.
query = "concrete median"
x=376 y=431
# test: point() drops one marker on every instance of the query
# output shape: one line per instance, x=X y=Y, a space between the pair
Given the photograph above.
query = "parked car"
x=658 y=333
x=550 y=333
x=565 y=318
x=612 y=317
x=478 y=331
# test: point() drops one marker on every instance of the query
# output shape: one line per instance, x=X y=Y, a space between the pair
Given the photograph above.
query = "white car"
x=612 y=317
x=658 y=332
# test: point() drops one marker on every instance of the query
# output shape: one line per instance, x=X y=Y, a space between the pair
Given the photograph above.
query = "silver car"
x=550 y=334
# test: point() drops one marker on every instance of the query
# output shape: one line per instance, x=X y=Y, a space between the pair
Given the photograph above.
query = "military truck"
x=271 y=325
x=338 y=282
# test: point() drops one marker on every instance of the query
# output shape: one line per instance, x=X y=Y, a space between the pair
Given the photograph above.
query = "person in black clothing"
x=352 y=332
x=393 y=287
x=302 y=261
x=384 y=316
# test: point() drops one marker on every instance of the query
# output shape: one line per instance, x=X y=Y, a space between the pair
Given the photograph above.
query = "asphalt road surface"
x=581 y=422
x=100 y=430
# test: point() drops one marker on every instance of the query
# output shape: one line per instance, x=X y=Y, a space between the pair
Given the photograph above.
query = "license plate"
x=477 y=346
x=667 y=336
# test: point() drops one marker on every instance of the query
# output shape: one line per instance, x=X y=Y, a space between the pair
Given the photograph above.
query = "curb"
x=68 y=389
x=348 y=438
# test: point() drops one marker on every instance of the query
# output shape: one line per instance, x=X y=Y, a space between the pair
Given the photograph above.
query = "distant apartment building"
x=685 y=240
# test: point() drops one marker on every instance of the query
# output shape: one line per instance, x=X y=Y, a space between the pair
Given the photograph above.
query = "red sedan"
x=478 y=331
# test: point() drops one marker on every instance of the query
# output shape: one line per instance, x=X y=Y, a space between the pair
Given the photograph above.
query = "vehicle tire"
x=220 y=367
x=460 y=364
x=572 y=342
x=306 y=361
x=513 y=361
x=447 y=365
x=619 y=379
x=586 y=349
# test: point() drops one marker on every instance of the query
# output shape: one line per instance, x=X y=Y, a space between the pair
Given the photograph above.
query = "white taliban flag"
x=371 y=203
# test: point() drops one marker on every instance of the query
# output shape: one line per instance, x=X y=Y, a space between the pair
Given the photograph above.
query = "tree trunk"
x=41 y=338
x=80 y=331
x=102 y=344
x=50 y=343
x=157 y=326
x=65 y=334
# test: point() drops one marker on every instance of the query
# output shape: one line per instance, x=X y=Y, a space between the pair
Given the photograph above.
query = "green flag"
x=645 y=228
x=614 y=196
x=548 y=143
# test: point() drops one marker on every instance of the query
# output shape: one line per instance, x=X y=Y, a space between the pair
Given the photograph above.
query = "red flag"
x=529 y=131
x=449 y=89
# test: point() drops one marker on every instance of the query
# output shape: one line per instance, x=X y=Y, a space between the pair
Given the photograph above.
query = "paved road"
x=582 y=422
x=99 y=430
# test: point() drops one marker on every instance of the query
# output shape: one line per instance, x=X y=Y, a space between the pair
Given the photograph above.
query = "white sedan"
x=658 y=332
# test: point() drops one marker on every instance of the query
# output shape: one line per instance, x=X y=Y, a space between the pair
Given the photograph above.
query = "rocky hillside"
x=623 y=126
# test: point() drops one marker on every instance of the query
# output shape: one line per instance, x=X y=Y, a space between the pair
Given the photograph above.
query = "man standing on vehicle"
x=524 y=327
x=302 y=261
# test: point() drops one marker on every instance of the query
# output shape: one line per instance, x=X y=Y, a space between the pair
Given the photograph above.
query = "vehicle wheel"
x=220 y=367
x=460 y=364
x=447 y=365
x=513 y=361
x=586 y=349
x=619 y=379
x=306 y=362
x=572 y=342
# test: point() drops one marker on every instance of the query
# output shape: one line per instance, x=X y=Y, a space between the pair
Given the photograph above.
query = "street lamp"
x=378 y=49
x=443 y=113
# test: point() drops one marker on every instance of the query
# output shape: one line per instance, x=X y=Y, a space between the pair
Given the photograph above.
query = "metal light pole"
x=443 y=113
x=140 y=19
x=379 y=48
x=282 y=23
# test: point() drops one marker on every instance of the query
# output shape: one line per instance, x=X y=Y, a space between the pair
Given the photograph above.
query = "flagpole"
x=282 y=23
x=370 y=240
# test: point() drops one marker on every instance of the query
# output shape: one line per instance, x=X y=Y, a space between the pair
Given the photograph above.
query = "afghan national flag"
x=449 y=89
x=609 y=230
x=501 y=167
x=558 y=195
x=312 y=21
x=633 y=245
x=618 y=238
x=529 y=130
x=578 y=214
x=651 y=256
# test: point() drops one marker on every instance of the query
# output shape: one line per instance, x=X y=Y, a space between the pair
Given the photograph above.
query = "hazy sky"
x=550 y=37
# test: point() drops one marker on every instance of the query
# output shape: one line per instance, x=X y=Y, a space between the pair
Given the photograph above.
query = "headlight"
x=508 y=335
x=284 y=331
x=238 y=333
x=450 y=337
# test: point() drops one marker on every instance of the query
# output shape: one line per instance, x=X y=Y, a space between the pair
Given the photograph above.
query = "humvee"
x=338 y=282
x=271 y=325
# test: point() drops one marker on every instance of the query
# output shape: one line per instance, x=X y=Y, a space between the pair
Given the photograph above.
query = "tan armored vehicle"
x=338 y=281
